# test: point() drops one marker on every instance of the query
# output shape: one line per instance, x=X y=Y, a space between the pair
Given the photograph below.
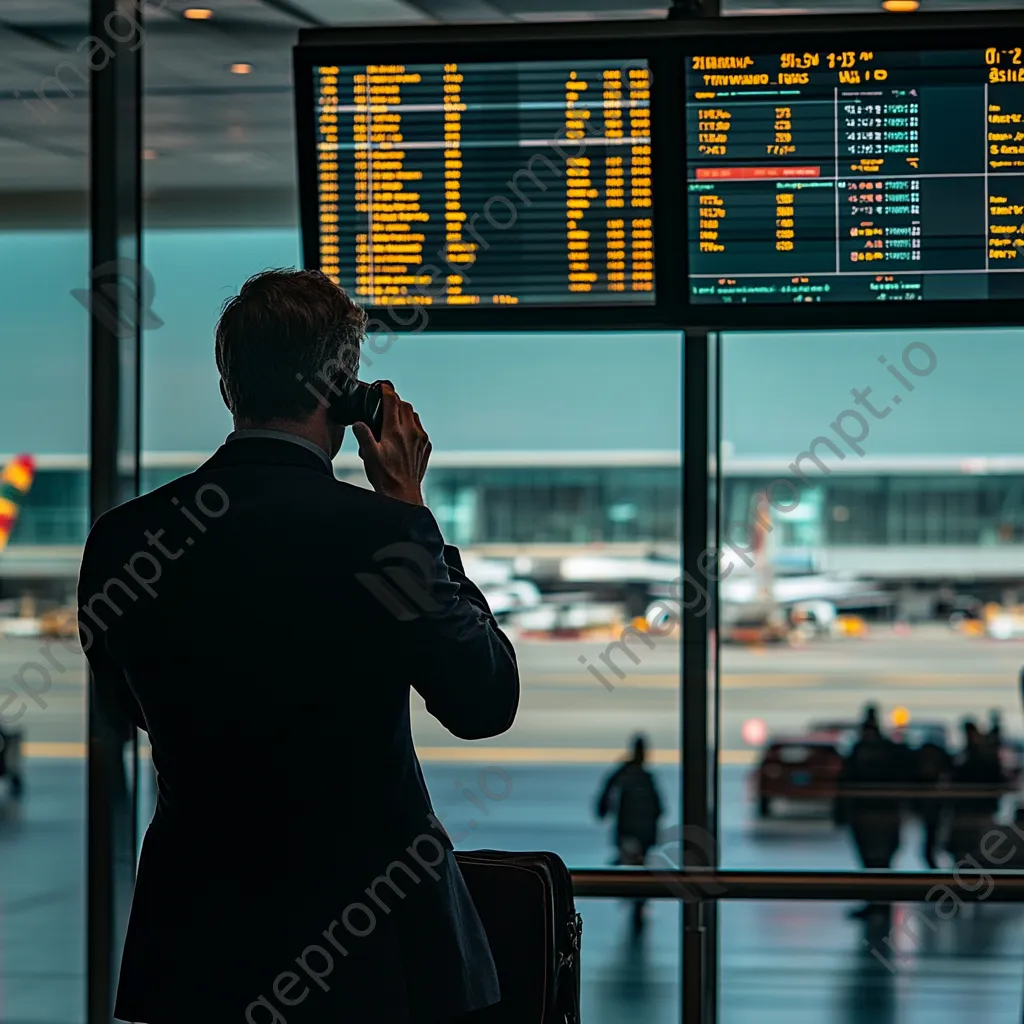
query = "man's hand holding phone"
x=396 y=464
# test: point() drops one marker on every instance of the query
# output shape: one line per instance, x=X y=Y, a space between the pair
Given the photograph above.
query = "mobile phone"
x=361 y=403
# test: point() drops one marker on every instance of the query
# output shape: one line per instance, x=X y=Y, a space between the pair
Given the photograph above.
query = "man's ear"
x=224 y=395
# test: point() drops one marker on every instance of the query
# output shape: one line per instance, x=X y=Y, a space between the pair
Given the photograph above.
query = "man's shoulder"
x=360 y=506
x=377 y=518
x=137 y=510
x=364 y=499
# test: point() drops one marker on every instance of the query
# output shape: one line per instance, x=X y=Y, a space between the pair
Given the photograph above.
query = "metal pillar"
x=698 y=594
x=115 y=317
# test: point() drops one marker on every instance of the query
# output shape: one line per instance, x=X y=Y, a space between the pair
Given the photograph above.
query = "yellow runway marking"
x=669 y=682
x=59 y=750
x=560 y=755
x=536 y=755
x=451 y=755
x=584 y=680
x=737 y=757
x=777 y=682
x=784 y=681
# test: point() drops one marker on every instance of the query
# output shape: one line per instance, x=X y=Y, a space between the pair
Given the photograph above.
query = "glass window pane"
x=894 y=454
x=628 y=979
x=945 y=960
x=44 y=393
x=545 y=548
x=541 y=461
x=556 y=469
x=541 y=458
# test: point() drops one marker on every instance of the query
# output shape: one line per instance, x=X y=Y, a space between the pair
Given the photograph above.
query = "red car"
x=807 y=768
x=802 y=768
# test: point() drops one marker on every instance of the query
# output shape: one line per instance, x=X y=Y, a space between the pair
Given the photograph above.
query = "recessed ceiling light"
x=198 y=13
x=241 y=69
x=149 y=154
x=901 y=6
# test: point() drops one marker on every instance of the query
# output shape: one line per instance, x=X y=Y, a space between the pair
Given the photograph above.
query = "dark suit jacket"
x=293 y=869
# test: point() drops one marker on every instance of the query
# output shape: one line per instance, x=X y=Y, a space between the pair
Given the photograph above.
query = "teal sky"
x=486 y=392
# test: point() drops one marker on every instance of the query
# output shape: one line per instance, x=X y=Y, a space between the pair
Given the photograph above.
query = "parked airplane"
x=505 y=593
x=759 y=602
x=761 y=593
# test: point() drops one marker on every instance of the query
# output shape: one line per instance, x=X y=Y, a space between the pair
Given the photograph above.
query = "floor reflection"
x=629 y=976
x=781 y=963
x=802 y=963
x=866 y=991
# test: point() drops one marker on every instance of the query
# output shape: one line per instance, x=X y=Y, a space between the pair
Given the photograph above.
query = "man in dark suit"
x=294 y=870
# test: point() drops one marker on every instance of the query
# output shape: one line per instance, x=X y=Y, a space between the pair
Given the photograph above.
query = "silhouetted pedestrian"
x=874 y=765
x=932 y=774
x=995 y=730
x=978 y=783
x=870 y=717
x=633 y=793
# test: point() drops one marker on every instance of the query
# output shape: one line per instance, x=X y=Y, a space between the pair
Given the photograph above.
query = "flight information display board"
x=850 y=175
x=486 y=184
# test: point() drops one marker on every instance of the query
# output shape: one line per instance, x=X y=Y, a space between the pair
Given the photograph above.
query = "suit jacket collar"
x=266 y=451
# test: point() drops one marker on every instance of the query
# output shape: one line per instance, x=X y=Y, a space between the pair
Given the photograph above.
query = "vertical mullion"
x=115 y=294
x=697 y=819
x=142 y=298
x=710 y=582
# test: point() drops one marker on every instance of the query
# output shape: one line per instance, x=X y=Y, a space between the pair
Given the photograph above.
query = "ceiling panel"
x=223 y=133
x=468 y=12
x=226 y=12
x=174 y=61
x=245 y=139
x=44 y=12
x=579 y=10
x=364 y=12
x=41 y=161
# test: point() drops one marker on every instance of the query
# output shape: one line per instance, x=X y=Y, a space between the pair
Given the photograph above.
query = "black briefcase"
x=525 y=902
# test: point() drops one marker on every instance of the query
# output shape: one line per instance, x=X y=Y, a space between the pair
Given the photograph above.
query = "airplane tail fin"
x=761 y=527
x=15 y=483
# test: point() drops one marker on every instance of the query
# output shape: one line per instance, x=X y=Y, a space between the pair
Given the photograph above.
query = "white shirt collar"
x=280 y=435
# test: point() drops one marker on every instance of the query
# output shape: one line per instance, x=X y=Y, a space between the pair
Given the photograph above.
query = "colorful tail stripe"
x=15 y=483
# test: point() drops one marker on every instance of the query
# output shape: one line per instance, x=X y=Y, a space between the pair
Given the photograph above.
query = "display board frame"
x=476 y=44
x=942 y=33
x=666 y=45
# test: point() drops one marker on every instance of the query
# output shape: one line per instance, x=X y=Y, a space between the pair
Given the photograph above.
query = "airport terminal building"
x=925 y=520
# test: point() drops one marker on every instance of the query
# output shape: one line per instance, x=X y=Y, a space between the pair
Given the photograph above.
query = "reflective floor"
x=42 y=896
x=796 y=963
x=807 y=962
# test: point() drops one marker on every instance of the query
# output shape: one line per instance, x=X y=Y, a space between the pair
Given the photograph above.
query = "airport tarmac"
x=571 y=729
x=535 y=788
x=567 y=715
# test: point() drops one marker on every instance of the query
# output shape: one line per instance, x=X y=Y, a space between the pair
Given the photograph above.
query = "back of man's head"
x=282 y=340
